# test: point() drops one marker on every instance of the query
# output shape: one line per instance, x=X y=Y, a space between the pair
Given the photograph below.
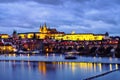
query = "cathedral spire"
x=41 y=29
x=45 y=25
x=40 y=26
x=45 y=28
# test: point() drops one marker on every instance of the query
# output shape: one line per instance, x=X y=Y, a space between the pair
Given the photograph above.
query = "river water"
x=25 y=70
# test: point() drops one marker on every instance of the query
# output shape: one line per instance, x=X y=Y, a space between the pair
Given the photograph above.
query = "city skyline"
x=82 y=16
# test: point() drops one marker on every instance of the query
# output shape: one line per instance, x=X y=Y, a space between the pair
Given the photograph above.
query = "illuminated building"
x=4 y=36
x=45 y=32
x=81 y=37
x=6 y=48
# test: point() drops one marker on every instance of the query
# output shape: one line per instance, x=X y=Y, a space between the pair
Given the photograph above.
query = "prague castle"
x=48 y=33
x=45 y=32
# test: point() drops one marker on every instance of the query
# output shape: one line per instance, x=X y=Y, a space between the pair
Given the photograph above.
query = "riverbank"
x=60 y=58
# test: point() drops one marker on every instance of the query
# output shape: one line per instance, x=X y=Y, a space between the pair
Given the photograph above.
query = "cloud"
x=94 y=16
x=49 y=2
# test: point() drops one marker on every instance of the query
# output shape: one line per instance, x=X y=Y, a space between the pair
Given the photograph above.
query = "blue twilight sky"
x=96 y=16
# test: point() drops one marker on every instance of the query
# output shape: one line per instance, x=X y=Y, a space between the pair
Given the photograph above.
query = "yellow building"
x=6 y=48
x=45 y=32
x=22 y=35
x=4 y=36
x=81 y=37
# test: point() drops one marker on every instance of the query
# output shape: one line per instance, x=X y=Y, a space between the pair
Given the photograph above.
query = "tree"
x=14 y=35
x=106 y=34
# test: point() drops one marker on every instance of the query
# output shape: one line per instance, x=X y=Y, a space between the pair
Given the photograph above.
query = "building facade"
x=81 y=37
x=45 y=32
x=4 y=36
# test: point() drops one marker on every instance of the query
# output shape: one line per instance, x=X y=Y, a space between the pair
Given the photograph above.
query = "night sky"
x=82 y=16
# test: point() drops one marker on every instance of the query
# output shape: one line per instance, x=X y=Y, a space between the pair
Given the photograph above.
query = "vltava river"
x=21 y=70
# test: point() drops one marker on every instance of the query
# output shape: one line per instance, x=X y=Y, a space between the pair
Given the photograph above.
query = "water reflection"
x=116 y=66
x=110 y=67
x=100 y=67
x=23 y=70
x=42 y=67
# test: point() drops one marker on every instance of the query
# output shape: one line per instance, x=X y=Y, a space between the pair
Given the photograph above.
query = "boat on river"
x=72 y=52
x=70 y=56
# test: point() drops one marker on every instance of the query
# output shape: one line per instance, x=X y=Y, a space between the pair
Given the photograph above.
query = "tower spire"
x=41 y=29
x=45 y=25
x=45 y=28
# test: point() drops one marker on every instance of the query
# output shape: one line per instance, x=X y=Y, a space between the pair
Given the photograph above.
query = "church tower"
x=41 y=29
x=45 y=30
x=14 y=35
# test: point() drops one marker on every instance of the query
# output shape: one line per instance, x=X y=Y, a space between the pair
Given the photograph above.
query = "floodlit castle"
x=45 y=32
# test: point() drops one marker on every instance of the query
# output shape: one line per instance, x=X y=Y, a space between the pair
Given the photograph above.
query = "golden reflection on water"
x=29 y=66
x=81 y=65
x=42 y=67
x=86 y=65
x=60 y=64
x=73 y=67
x=100 y=67
x=116 y=66
x=94 y=67
x=110 y=67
